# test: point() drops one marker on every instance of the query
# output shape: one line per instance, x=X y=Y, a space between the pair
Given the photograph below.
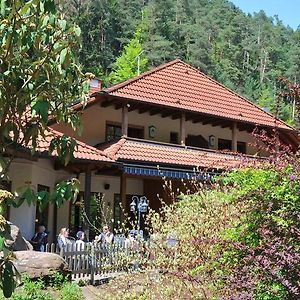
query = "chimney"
x=95 y=85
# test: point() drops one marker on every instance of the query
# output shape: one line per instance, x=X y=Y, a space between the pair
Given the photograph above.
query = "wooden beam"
x=243 y=128
x=125 y=120
x=133 y=107
x=87 y=195
x=234 y=137
x=106 y=103
x=155 y=111
x=198 y=120
x=189 y=117
x=123 y=194
x=208 y=121
x=214 y=124
x=166 y=113
x=143 y=109
x=225 y=124
x=176 y=116
x=182 y=129
x=118 y=106
x=54 y=225
x=108 y=171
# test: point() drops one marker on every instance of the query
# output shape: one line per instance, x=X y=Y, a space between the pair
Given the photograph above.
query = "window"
x=76 y=218
x=224 y=144
x=174 y=137
x=97 y=213
x=114 y=132
x=136 y=132
x=241 y=147
x=196 y=141
x=41 y=213
x=131 y=216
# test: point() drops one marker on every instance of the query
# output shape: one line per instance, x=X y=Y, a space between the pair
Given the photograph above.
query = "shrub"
x=32 y=290
x=35 y=290
x=57 y=279
x=238 y=240
x=71 y=291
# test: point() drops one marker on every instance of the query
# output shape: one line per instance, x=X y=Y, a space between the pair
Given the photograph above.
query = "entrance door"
x=97 y=214
x=41 y=214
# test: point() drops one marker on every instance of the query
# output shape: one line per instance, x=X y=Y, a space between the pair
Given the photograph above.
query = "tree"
x=39 y=76
x=131 y=62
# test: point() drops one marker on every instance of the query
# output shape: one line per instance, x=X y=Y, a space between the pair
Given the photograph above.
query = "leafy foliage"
x=39 y=76
x=131 y=62
x=71 y=291
x=36 y=290
x=239 y=240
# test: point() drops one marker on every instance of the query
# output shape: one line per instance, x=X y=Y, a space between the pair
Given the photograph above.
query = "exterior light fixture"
x=132 y=206
x=152 y=131
x=212 y=141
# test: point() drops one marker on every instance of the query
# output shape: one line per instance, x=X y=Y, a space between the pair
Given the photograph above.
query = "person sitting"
x=106 y=237
x=129 y=241
x=62 y=239
x=40 y=239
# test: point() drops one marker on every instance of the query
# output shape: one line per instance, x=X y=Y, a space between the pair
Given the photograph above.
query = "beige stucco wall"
x=20 y=175
x=95 y=117
x=23 y=173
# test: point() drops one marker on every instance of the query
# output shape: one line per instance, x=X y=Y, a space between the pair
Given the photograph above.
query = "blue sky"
x=287 y=10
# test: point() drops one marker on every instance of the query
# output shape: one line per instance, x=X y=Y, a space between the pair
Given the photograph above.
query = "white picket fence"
x=91 y=261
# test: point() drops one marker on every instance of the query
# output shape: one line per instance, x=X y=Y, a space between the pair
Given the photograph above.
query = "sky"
x=287 y=10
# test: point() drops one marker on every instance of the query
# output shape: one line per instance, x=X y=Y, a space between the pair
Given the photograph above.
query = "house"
x=165 y=123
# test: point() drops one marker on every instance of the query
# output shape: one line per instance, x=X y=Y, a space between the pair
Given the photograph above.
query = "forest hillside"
x=245 y=52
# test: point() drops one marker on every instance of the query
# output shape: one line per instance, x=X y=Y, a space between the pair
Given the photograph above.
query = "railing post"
x=92 y=265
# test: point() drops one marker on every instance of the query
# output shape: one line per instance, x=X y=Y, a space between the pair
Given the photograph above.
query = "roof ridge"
x=115 y=147
x=136 y=78
x=235 y=93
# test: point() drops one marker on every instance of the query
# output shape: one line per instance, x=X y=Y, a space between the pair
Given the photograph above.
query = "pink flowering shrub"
x=237 y=240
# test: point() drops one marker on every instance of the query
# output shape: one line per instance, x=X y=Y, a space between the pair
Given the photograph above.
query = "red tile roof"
x=179 y=85
x=135 y=150
x=82 y=151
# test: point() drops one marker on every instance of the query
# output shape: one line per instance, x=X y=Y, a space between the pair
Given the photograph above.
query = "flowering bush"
x=238 y=240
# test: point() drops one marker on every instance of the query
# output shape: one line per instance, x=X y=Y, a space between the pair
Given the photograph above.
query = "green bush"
x=35 y=290
x=32 y=290
x=239 y=238
x=57 y=279
x=71 y=291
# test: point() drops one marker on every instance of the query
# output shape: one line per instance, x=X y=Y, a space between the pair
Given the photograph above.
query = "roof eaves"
x=255 y=124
